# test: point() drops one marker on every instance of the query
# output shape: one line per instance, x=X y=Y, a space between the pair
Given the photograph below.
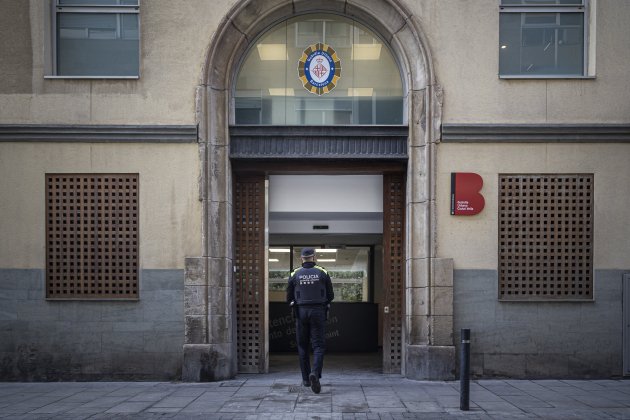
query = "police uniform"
x=310 y=288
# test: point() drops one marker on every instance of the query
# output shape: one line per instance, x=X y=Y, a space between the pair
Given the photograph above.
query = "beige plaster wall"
x=472 y=241
x=462 y=36
x=174 y=37
x=464 y=40
x=170 y=210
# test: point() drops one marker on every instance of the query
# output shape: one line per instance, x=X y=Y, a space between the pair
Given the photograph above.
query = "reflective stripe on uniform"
x=320 y=268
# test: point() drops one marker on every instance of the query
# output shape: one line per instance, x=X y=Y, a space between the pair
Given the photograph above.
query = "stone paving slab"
x=344 y=396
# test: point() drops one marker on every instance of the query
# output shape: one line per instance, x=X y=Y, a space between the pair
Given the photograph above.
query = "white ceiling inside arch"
x=341 y=203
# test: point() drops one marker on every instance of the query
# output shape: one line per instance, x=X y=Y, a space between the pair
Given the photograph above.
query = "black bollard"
x=464 y=372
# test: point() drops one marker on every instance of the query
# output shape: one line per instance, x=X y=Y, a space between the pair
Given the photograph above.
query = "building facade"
x=463 y=164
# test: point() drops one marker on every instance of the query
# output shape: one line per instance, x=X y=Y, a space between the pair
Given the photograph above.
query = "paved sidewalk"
x=345 y=395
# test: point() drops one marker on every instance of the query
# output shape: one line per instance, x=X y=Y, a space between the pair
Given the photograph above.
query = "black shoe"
x=306 y=383
x=315 y=385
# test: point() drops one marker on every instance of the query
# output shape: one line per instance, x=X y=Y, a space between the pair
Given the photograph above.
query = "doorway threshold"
x=334 y=363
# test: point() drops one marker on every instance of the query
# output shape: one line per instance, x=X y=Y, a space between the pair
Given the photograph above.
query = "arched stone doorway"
x=210 y=336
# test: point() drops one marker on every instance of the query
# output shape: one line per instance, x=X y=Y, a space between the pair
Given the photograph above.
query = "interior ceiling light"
x=326 y=260
x=281 y=92
x=269 y=52
x=283 y=250
x=274 y=260
x=360 y=91
x=366 y=51
x=326 y=250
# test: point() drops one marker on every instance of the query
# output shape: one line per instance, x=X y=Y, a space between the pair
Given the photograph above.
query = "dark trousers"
x=310 y=329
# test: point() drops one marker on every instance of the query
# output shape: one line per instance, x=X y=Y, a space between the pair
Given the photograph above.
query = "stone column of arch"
x=210 y=349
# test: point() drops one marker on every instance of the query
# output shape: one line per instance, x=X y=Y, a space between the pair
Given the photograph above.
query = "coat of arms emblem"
x=319 y=68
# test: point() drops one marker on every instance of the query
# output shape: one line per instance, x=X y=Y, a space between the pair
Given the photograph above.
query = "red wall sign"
x=465 y=197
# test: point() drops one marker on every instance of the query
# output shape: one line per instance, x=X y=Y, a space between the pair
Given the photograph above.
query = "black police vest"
x=310 y=288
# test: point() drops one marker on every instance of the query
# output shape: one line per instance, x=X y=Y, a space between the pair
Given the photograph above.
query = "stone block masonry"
x=552 y=339
x=43 y=340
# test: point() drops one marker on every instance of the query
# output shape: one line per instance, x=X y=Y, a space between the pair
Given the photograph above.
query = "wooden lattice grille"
x=393 y=270
x=92 y=236
x=249 y=247
x=545 y=237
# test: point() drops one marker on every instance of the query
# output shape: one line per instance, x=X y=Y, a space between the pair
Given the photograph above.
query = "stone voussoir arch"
x=210 y=344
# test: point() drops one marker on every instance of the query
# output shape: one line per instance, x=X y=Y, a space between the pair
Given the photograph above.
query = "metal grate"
x=249 y=247
x=92 y=236
x=393 y=267
x=545 y=237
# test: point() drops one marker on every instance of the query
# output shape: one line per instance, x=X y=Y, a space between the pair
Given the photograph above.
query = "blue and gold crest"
x=319 y=68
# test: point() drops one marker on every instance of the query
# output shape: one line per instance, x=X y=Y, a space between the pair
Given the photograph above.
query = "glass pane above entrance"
x=319 y=69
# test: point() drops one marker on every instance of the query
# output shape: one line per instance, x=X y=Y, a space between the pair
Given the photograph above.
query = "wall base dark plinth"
x=430 y=363
x=206 y=363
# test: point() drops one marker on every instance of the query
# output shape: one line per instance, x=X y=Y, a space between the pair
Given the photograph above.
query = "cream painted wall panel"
x=76 y=111
x=170 y=213
x=610 y=164
x=586 y=101
x=20 y=105
x=174 y=40
x=462 y=36
x=472 y=240
x=607 y=97
x=22 y=197
x=464 y=39
x=170 y=218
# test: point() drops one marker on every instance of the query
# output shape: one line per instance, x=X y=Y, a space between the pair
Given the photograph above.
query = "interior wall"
x=348 y=240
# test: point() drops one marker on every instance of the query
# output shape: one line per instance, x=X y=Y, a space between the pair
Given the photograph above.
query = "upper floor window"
x=319 y=70
x=543 y=38
x=96 y=38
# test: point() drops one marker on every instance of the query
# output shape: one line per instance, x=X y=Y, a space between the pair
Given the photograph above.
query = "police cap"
x=307 y=252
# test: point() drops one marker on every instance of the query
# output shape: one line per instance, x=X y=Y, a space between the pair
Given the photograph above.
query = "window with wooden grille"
x=546 y=237
x=92 y=236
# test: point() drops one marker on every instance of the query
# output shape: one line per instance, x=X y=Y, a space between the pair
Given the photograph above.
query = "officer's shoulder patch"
x=321 y=268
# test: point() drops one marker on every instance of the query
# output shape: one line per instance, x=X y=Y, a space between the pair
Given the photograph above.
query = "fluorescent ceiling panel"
x=271 y=52
x=360 y=91
x=366 y=51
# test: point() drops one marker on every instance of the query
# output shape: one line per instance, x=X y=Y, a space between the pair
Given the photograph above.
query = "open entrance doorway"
x=356 y=223
x=341 y=216
x=354 y=326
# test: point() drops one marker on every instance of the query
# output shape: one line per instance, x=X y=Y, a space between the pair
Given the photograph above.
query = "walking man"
x=310 y=292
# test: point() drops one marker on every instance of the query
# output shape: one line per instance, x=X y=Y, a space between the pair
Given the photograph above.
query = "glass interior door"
x=348 y=267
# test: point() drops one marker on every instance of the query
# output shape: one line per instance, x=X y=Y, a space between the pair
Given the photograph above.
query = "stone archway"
x=210 y=349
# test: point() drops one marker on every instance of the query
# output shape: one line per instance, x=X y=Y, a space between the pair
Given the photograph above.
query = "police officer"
x=310 y=292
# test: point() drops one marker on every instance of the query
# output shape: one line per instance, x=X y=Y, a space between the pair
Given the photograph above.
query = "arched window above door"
x=319 y=69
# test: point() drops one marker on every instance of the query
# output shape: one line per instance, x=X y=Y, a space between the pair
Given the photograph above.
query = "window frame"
x=583 y=8
x=57 y=9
